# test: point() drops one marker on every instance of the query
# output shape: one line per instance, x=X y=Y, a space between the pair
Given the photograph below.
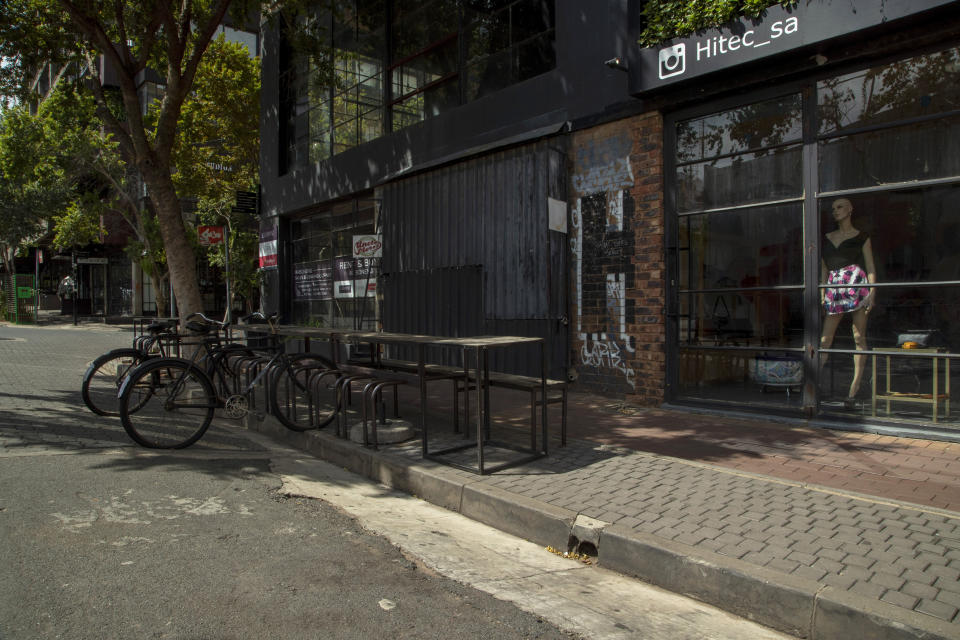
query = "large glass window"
x=384 y=65
x=740 y=238
x=506 y=42
x=883 y=194
x=346 y=106
x=330 y=287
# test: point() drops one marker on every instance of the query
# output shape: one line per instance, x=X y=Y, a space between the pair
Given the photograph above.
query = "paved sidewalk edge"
x=796 y=606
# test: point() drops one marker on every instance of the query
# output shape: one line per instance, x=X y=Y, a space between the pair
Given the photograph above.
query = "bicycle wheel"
x=293 y=402
x=102 y=380
x=167 y=403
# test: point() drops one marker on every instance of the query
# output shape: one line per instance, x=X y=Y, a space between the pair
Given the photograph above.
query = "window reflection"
x=753 y=127
x=741 y=179
x=441 y=54
x=903 y=90
x=911 y=152
x=757 y=247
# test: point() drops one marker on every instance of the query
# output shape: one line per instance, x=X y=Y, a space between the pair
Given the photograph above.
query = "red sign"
x=268 y=248
x=209 y=235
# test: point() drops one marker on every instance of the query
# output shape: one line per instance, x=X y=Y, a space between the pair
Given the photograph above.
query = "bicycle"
x=102 y=379
x=169 y=402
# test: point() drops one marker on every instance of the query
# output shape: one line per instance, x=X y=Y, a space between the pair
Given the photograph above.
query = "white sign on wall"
x=368 y=246
x=558 y=215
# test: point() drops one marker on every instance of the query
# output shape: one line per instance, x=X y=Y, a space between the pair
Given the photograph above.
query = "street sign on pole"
x=209 y=235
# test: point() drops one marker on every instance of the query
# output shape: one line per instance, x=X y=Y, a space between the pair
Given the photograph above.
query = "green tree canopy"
x=666 y=19
x=113 y=45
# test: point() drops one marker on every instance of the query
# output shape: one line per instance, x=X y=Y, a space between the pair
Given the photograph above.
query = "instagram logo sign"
x=673 y=61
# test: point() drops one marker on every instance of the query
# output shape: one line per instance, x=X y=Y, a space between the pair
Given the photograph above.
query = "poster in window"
x=313 y=280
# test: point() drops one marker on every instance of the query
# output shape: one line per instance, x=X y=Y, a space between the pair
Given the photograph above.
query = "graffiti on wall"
x=602 y=242
x=603 y=165
x=601 y=352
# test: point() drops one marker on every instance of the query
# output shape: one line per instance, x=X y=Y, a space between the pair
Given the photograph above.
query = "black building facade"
x=660 y=215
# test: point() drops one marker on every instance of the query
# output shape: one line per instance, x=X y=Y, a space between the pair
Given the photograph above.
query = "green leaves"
x=666 y=19
x=217 y=147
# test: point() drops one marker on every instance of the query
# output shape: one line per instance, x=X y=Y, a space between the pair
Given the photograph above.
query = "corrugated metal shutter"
x=468 y=251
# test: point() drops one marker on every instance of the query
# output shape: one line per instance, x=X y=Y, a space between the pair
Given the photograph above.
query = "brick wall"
x=617 y=267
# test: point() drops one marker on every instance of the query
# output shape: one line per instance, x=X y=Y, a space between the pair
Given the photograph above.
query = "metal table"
x=473 y=349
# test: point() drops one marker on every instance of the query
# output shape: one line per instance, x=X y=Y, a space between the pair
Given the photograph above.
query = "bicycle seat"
x=198 y=327
x=159 y=327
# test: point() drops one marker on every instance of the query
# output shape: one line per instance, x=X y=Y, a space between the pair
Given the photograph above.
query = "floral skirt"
x=847 y=296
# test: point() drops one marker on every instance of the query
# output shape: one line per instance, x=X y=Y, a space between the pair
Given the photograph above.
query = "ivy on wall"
x=665 y=19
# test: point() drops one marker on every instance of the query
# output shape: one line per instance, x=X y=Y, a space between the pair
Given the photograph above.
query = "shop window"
x=884 y=194
x=330 y=287
x=746 y=155
x=915 y=249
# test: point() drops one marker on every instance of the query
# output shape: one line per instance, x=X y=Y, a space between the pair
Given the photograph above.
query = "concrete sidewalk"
x=817 y=533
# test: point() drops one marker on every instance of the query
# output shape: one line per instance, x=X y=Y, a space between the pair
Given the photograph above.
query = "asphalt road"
x=241 y=537
x=102 y=539
x=131 y=545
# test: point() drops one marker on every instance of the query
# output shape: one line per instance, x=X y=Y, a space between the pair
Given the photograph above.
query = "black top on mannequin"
x=849 y=251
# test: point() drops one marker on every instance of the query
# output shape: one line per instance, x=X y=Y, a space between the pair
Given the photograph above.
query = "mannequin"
x=847 y=260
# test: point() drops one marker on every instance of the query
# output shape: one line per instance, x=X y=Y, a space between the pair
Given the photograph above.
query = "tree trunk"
x=181 y=259
x=161 y=298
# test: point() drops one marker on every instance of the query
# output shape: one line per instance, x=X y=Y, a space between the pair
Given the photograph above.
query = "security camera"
x=617 y=63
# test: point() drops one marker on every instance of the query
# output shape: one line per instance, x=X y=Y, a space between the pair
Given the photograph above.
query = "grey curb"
x=792 y=605
x=520 y=516
x=841 y=614
x=779 y=601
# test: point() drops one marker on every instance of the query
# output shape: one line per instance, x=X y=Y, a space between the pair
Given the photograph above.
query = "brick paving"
x=878 y=516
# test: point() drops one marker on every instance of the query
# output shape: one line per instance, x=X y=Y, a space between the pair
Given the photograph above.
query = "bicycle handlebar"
x=210 y=321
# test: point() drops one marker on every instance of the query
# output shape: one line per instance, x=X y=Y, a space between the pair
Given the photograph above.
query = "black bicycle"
x=169 y=402
x=102 y=379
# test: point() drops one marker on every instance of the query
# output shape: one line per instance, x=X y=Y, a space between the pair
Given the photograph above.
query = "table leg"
x=486 y=392
x=481 y=388
x=543 y=395
x=466 y=391
x=888 y=385
x=422 y=375
x=936 y=389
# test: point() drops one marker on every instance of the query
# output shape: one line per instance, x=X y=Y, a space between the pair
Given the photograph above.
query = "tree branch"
x=106 y=116
x=179 y=79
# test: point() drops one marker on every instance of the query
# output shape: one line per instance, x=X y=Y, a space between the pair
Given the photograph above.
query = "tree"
x=32 y=183
x=223 y=113
x=94 y=181
x=127 y=38
x=131 y=37
x=665 y=19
